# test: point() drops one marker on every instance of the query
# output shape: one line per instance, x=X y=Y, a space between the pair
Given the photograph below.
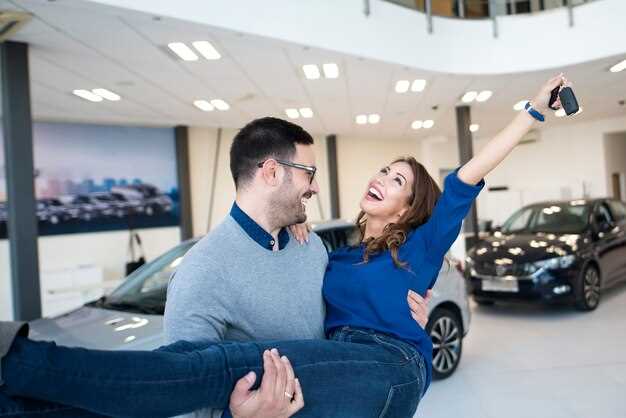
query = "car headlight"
x=552 y=263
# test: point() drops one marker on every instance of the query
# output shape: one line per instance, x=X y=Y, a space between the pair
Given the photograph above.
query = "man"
x=248 y=279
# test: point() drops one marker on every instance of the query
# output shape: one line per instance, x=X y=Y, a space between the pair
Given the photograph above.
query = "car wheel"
x=54 y=220
x=149 y=211
x=446 y=333
x=588 y=289
x=484 y=302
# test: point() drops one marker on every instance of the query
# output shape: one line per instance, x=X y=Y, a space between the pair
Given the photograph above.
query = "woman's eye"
x=398 y=180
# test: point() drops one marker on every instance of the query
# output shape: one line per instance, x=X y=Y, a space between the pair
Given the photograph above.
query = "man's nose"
x=315 y=188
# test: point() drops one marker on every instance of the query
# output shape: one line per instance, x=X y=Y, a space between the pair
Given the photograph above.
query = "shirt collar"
x=254 y=230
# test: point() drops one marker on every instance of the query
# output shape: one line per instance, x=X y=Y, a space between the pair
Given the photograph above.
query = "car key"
x=568 y=101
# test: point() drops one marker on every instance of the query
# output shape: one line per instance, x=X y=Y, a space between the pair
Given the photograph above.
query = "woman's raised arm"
x=503 y=143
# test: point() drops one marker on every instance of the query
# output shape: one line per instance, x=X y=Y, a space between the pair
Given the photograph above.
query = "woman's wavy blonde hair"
x=421 y=204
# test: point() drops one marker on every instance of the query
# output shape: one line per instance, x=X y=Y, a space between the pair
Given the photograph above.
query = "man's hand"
x=279 y=396
x=419 y=306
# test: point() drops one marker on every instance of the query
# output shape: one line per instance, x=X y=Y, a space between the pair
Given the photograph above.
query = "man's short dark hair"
x=262 y=139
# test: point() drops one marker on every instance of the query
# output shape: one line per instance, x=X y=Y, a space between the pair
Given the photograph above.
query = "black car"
x=558 y=251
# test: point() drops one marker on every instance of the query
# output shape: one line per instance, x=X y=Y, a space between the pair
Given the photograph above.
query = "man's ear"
x=269 y=172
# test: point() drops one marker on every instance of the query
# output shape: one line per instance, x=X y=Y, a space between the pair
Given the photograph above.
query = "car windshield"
x=145 y=289
x=552 y=218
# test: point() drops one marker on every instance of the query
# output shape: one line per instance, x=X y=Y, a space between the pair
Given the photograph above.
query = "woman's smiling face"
x=389 y=192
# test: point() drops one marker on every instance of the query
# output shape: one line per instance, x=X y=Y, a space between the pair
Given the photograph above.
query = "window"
x=618 y=209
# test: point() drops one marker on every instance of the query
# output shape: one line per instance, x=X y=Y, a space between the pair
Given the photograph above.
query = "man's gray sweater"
x=228 y=287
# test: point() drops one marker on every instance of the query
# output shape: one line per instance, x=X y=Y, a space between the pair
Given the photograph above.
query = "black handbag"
x=134 y=263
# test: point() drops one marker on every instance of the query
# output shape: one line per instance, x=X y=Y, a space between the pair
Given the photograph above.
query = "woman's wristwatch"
x=534 y=113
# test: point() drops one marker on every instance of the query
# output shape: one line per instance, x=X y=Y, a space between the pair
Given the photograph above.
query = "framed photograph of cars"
x=92 y=178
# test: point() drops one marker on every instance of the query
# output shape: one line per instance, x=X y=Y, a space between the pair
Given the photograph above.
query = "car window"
x=146 y=288
x=618 y=209
x=602 y=214
x=518 y=221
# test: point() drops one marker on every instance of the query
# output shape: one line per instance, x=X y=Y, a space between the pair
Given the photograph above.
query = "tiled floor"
x=536 y=361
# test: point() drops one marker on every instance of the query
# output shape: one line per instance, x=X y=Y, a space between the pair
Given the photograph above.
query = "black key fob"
x=553 y=96
x=568 y=101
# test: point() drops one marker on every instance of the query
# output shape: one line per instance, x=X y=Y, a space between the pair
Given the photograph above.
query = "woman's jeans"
x=356 y=373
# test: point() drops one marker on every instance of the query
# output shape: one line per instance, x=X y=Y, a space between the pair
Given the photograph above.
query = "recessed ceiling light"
x=107 y=94
x=361 y=119
x=306 y=112
x=428 y=124
x=417 y=124
x=311 y=71
x=373 y=118
x=520 y=105
x=402 y=86
x=183 y=51
x=469 y=96
x=474 y=127
x=207 y=50
x=87 y=95
x=418 y=85
x=220 y=104
x=331 y=70
x=203 y=105
x=484 y=95
x=620 y=66
x=292 y=113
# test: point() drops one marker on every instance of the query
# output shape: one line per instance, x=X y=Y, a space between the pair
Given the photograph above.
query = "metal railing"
x=484 y=9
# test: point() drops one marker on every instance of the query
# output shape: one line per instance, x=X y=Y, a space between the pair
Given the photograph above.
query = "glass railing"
x=482 y=9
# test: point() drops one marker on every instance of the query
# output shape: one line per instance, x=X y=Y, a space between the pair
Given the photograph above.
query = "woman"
x=377 y=362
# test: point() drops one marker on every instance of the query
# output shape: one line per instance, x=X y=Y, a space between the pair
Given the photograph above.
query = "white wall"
x=399 y=35
x=615 y=154
x=567 y=162
x=107 y=250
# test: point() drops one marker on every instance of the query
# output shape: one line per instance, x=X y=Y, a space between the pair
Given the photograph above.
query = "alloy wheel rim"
x=446 y=338
x=591 y=288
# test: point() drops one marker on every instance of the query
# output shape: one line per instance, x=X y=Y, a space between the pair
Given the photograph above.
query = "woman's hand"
x=419 y=306
x=300 y=232
x=541 y=100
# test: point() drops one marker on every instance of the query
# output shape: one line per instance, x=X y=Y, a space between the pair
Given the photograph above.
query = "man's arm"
x=199 y=302
x=279 y=396
x=419 y=306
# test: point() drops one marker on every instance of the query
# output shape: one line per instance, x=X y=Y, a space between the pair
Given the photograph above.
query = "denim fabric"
x=357 y=373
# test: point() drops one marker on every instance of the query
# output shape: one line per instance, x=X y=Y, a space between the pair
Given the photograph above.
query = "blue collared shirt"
x=254 y=230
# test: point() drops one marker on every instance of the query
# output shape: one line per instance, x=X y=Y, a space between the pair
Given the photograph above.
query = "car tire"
x=588 y=289
x=446 y=332
x=149 y=211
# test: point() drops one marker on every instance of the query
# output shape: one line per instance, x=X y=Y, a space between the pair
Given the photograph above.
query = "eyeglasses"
x=308 y=168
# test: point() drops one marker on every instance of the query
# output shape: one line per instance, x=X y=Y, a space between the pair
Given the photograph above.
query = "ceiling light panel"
x=484 y=95
x=220 y=104
x=418 y=85
x=292 y=113
x=402 y=86
x=311 y=71
x=207 y=50
x=106 y=94
x=87 y=95
x=469 y=97
x=183 y=51
x=331 y=70
x=203 y=105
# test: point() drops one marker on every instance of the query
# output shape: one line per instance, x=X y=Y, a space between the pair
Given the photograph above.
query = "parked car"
x=154 y=200
x=132 y=200
x=3 y=212
x=52 y=211
x=566 y=251
x=131 y=317
x=117 y=204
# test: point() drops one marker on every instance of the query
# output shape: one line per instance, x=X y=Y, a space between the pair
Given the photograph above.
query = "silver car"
x=131 y=317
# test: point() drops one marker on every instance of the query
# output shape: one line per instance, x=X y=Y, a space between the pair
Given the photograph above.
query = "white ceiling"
x=76 y=44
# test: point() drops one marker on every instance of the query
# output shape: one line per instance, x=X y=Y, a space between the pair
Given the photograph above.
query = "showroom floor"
x=540 y=362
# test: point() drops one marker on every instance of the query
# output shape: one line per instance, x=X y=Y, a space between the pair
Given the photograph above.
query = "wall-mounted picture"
x=92 y=178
